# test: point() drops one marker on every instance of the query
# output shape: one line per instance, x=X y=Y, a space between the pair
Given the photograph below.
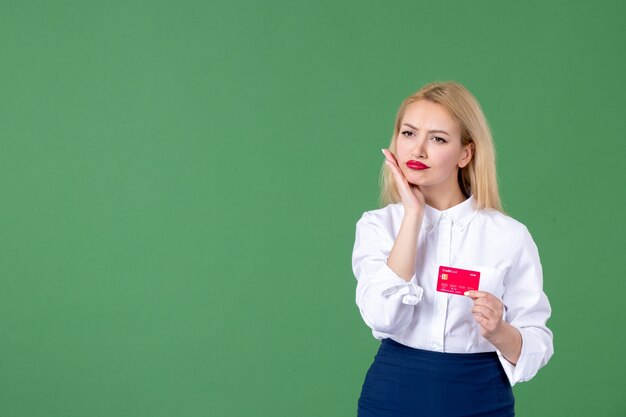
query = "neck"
x=443 y=201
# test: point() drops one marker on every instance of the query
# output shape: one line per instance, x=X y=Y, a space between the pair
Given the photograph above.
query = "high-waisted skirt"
x=407 y=382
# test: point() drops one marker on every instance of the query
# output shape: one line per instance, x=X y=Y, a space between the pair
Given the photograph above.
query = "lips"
x=417 y=165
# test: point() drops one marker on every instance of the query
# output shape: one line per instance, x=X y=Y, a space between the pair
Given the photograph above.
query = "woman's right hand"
x=412 y=198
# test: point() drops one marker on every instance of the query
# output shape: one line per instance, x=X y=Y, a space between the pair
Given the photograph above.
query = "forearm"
x=509 y=342
x=403 y=253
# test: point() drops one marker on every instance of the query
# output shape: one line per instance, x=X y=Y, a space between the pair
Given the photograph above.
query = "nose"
x=419 y=150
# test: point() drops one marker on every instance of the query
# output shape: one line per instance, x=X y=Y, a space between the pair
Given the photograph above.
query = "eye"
x=439 y=139
x=407 y=133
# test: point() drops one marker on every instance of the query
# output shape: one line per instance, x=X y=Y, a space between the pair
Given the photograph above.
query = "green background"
x=180 y=183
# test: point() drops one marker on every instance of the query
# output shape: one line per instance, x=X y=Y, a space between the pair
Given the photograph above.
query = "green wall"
x=180 y=183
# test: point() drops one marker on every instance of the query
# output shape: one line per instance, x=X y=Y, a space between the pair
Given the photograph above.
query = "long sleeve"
x=528 y=309
x=385 y=300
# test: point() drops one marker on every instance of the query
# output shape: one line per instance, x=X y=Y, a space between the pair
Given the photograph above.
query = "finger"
x=482 y=321
x=484 y=312
x=391 y=162
x=398 y=175
x=408 y=191
x=474 y=294
x=486 y=326
x=390 y=156
x=485 y=301
x=491 y=302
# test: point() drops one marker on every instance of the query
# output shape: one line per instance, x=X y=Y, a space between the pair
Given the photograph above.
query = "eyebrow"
x=430 y=131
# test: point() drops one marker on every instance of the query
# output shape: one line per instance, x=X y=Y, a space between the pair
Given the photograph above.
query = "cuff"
x=530 y=359
x=393 y=284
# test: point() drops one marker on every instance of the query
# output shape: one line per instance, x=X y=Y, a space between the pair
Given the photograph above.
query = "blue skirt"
x=408 y=382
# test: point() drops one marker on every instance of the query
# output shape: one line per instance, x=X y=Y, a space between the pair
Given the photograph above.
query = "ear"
x=466 y=155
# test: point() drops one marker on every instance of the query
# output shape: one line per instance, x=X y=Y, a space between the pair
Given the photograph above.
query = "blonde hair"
x=478 y=177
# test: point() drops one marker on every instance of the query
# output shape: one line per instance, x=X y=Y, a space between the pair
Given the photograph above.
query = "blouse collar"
x=460 y=214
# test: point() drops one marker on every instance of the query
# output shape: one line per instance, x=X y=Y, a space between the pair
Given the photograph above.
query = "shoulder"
x=499 y=219
x=496 y=222
x=383 y=214
x=383 y=221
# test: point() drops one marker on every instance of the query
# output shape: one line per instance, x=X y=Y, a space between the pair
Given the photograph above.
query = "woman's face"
x=428 y=147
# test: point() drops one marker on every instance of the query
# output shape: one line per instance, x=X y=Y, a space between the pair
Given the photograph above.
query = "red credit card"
x=457 y=281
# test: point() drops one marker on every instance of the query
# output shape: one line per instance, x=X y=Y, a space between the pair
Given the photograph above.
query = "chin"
x=414 y=178
x=418 y=182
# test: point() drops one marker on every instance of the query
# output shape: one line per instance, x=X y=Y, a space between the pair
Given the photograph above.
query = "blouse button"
x=410 y=300
x=429 y=228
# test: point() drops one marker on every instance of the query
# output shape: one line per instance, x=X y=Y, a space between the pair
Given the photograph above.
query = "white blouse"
x=415 y=314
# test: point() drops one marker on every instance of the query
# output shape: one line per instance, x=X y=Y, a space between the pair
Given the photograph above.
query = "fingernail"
x=466 y=293
x=383 y=151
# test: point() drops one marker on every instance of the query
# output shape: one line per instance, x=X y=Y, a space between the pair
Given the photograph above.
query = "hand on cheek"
x=412 y=198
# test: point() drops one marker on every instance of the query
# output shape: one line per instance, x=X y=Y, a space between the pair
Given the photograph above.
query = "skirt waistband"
x=410 y=353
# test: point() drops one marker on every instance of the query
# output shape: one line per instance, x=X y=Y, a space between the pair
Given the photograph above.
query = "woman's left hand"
x=487 y=312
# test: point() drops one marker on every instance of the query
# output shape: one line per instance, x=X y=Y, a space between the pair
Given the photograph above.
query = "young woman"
x=451 y=285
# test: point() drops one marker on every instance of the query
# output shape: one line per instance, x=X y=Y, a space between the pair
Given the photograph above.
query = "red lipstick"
x=417 y=165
